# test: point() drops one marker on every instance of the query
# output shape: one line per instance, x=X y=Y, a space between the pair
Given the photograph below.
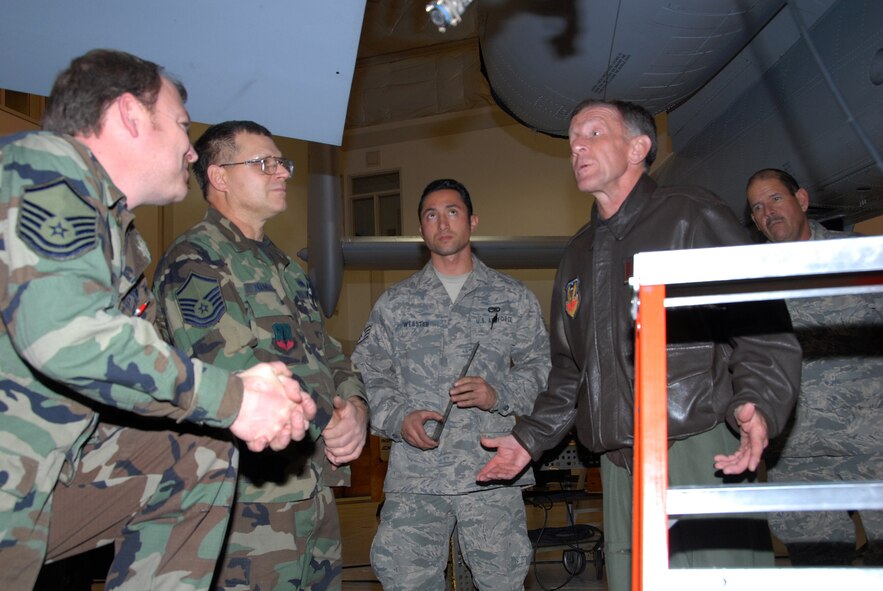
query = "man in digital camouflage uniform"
x=417 y=341
x=835 y=433
x=231 y=297
x=95 y=446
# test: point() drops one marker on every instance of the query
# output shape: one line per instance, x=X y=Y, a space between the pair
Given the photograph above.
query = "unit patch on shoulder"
x=56 y=223
x=571 y=305
x=365 y=333
x=200 y=301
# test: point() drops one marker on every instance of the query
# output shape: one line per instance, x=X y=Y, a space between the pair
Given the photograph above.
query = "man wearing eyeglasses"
x=231 y=297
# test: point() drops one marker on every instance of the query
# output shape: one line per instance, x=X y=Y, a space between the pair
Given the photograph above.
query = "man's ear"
x=802 y=198
x=130 y=112
x=639 y=147
x=217 y=177
x=473 y=221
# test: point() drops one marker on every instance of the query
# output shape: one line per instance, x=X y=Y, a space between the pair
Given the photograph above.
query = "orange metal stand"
x=649 y=524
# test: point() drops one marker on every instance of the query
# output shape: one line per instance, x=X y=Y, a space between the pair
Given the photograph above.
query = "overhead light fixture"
x=446 y=13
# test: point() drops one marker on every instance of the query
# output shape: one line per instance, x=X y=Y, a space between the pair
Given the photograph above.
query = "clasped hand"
x=346 y=434
x=275 y=411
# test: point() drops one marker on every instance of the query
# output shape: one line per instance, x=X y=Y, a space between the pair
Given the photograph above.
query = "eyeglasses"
x=269 y=164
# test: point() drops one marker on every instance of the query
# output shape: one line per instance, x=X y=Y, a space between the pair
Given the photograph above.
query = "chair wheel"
x=574 y=561
x=599 y=563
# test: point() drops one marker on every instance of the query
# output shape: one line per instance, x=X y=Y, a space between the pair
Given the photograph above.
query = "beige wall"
x=520 y=182
x=10 y=122
x=872 y=227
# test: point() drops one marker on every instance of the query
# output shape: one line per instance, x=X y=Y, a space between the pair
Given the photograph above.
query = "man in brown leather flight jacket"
x=729 y=367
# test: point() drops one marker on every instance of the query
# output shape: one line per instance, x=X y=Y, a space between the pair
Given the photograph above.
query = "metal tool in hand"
x=441 y=424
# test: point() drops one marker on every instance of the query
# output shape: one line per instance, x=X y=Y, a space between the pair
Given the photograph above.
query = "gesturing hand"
x=753 y=440
x=507 y=463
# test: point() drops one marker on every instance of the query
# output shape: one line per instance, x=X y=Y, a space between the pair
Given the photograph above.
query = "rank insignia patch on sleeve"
x=56 y=223
x=200 y=301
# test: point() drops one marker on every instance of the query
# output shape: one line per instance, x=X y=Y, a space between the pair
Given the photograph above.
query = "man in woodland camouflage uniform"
x=76 y=340
x=835 y=433
x=417 y=341
x=232 y=298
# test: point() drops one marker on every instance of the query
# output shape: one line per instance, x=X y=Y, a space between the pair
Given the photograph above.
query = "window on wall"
x=376 y=205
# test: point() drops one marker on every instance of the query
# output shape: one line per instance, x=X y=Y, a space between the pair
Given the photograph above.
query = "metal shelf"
x=693 y=277
x=754 y=498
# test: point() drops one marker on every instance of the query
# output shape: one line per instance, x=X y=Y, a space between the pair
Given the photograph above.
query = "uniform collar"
x=480 y=273
x=240 y=241
x=622 y=221
x=819 y=232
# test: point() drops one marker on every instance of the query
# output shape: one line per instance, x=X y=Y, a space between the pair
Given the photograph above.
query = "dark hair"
x=774 y=173
x=440 y=184
x=219 y=143
x=637 y=120
x=91 y=82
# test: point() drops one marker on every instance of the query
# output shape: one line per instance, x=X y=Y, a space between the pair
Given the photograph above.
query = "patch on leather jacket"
x=571 y=305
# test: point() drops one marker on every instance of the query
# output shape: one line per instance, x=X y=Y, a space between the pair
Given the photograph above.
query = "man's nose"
x=282 y=171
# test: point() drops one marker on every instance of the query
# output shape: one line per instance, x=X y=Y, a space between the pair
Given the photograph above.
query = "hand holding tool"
x=441 y=424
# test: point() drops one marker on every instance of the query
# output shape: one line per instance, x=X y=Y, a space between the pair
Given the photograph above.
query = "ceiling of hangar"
x=740 y=85
x=406 y=68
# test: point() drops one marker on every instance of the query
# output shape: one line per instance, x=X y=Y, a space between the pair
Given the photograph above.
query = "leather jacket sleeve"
x=554 y=410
